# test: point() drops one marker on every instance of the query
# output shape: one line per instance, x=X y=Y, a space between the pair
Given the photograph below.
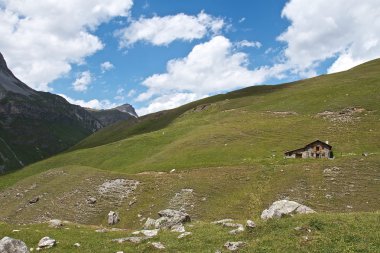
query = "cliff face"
x=35 y=125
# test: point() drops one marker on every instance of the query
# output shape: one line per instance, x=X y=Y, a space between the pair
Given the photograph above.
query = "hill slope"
x=228 y=149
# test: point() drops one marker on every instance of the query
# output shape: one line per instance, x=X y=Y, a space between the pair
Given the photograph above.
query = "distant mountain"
x=114 y=115
x=35 y=125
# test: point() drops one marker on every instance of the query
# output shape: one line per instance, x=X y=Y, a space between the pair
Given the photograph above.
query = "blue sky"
x=158 y=55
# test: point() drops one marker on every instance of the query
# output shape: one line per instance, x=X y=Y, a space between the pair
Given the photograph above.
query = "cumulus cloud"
x=247 y=43
x=93 y=103
x=43 y=38
x=83 y=81
x=345 y=30
x=210 y=67
x=164 y=30
x=168 y=101
x=105 y=66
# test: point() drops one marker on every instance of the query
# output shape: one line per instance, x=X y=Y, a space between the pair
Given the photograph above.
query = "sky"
x=160 y=54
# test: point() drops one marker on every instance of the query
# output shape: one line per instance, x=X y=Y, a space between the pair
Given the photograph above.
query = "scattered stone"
x=183 y=200
x=10 y=245
x=91 y=200
x=120 y=252
x=172 y=171
x=250 y=224
x=158 y=245
x=77 y=244
x=34 y=200
x=328 y=196
x=179 y=228
x=365 y=154
x=149 y=223
x=222 y=221
x=120 y=188
x=132 y=239
x=169 y=218
x=233 y=246
x=237 y=231
x=16 y=230
x=55 y=223
x=113 y=218
x=46 y=242
x=184 y=235
x=148 y=233
x=285 y=207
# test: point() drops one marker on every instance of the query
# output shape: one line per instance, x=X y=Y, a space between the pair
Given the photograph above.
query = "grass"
x=328 y=233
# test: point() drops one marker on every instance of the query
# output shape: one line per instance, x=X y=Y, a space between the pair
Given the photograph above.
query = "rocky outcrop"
x=229 y=223
x=113 y=218
x=169 y=219
x=285 y=207
x=10 y=245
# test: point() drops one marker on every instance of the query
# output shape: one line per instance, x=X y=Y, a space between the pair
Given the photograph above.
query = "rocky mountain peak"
x=10 y=83
x=127 y=108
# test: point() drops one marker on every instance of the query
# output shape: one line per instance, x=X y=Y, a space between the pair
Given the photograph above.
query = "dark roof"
x=311 y=143
x=318 y=141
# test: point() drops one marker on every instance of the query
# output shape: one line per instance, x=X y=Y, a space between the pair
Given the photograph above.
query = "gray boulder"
x=285 y=207
x=113 y=218
x=173 y=214
x=10 y=245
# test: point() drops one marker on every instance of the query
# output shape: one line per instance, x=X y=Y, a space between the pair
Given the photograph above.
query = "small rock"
x=16 y=230
x=222 y=221
x=120 y=252
x=158 y=245
x=46 y=242
x=149 y=223
x=113 y=218
x=172 y=171
x=250 y=224
x=77 y=245
x=179 y=228
x=148 y=233
x=132 y=239
x=91 y=200
x=233 y=246
x=184 y=235
x=365 y=154
x=34 y=200
x=10 y=245
x=55 y=223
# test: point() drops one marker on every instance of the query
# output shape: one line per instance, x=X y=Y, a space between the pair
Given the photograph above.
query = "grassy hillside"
x=229 y=150
x=251 y=126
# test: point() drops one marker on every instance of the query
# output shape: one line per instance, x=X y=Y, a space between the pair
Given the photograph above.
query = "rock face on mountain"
x=114 y=115
x=35 y=125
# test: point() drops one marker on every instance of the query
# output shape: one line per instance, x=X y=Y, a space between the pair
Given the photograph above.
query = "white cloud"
x=242 y=20
x=164 y=30
x=347 y=30
x=93 y=103
x=105 y=66
x=246 y=43
x=41 y=39
x=83 y=81
x=210 y=67
x=168 y=101
x=131 y=93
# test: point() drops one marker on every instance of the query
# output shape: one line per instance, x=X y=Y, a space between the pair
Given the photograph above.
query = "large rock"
x=10 y=245
x=113 y=218
x=285 y=207
x=46 y=242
